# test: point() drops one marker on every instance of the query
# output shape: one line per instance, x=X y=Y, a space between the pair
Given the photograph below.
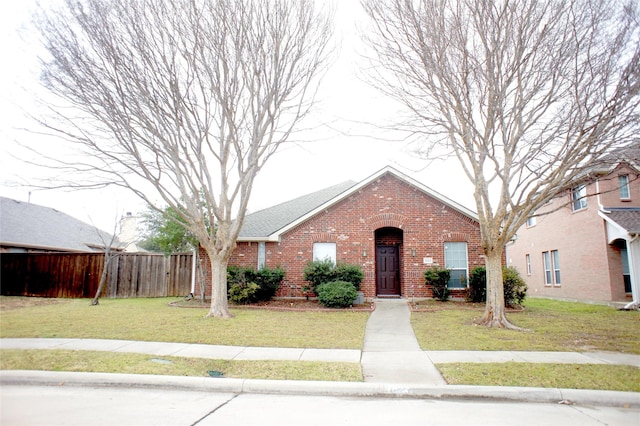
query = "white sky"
x=350 y=151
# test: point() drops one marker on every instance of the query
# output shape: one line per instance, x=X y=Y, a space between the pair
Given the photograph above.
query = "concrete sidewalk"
x=391 y=353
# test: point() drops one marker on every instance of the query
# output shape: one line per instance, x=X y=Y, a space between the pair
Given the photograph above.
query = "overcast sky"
x=342 y=150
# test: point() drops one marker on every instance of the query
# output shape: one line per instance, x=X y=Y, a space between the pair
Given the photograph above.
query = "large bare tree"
x=523 y=93
x=183 y=101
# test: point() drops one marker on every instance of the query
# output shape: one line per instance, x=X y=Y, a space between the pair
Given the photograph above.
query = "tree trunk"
x=219 y=301
x=494 y=312
x=103 y=279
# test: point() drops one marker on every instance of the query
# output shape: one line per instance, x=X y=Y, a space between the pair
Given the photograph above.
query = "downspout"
x=634 y=271
x=193 y=272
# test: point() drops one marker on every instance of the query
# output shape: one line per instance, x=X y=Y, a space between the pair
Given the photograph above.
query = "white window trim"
x=625 y=185
x=466 y=268
x=325 y=250
x=582 y=199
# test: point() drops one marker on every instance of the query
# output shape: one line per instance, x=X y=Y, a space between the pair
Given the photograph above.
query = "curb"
x=319 y=388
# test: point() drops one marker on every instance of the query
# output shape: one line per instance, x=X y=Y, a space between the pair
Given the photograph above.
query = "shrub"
x=336 y=294
x=320 y=272
x=350 y=273
x=515 y=288
x=267 y=281
x=438 y=278
x=243 y=293
x=477 y=291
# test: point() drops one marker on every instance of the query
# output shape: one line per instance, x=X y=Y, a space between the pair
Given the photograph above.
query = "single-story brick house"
x=390 y=224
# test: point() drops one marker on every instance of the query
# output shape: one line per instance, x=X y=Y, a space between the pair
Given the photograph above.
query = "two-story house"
x=585 y=244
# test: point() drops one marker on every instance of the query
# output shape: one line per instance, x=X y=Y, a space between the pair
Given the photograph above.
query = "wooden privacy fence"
x=78 y=274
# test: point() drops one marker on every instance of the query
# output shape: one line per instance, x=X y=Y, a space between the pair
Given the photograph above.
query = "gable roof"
x=269 y=224
x=626 y=218
x=266 y=222
x=38 y=227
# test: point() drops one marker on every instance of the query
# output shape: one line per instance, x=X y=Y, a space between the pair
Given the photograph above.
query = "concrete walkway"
x=391 y=353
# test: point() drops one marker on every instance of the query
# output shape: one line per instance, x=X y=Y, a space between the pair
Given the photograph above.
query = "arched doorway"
x=388 y=242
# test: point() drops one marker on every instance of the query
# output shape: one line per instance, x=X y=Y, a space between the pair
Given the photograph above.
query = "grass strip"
x=153 y=320
x=566 y=376
x=105 y=362
x=556 y=325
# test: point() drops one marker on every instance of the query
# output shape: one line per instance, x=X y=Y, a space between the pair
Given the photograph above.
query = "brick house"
x=588 y=247
x=390 y=224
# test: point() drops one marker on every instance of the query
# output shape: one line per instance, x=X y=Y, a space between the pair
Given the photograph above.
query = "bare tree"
x=183 y=102
x=523 y=93
x=112 y=249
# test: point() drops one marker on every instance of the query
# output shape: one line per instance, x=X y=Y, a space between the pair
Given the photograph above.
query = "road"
x=70 y=405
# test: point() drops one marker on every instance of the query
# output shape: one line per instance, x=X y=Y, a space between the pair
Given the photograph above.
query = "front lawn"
x=155 y=320
x=567 y=376
x=109 y=362
x=555 y=325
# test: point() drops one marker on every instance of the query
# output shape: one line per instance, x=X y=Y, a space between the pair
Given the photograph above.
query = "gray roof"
x=627 y=218
x=268 y=221
x=269 y=224
x=33 y=226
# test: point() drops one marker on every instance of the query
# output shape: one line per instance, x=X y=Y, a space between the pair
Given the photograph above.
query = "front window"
x=579 y=198
x=623 y=183
x=455 y=259
x=323 y=251
x=528 y=260
x=262 y=254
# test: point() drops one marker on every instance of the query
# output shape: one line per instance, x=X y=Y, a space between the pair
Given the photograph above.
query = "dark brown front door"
x=387 y=273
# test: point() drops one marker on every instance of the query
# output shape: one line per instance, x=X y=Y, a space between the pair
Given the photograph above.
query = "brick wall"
x=389 y=202
x=590 y=268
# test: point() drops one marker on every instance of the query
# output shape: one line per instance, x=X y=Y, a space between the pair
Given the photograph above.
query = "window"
x=262 y=252
x=555 y=258
x=322 y=251
x=531 y=221
x=546 y=261
x=528 y=260
x=551 y=262
x=455 y=259
x=579 y=198
x=623 y=183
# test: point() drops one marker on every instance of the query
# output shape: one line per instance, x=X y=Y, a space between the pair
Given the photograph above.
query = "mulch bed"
x=299 y=305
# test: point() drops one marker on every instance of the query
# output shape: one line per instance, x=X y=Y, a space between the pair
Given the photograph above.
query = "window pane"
x=455 y=259
x=528 y=260
x=556 y=266
x=623 y=181
x=261 y=255
x=578 y=196
x=546 y=260
x=458 y=278
x=322 y=251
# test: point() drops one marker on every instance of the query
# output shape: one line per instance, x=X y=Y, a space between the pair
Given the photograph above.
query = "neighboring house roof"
x=270 y=223
x=626 y=218
x=38 y=227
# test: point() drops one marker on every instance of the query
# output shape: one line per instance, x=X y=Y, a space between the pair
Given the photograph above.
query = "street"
x=68 y=405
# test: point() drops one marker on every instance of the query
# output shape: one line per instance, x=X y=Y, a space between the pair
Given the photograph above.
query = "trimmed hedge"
x=336 y=294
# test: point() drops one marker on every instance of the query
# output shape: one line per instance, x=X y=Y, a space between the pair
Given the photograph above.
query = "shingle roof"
x=269 y=224
x=268 y=221
x=31 y=225
x=627 y=218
